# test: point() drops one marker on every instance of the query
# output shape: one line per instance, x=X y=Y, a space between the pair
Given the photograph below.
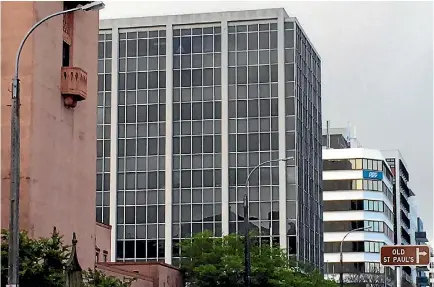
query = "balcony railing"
x=405 y=236
x=404 y=203
x=405 y=220
x=404 y=188
x=421 y=236
x=73 y=84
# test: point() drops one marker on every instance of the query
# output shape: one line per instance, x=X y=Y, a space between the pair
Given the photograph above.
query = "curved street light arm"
x=264 y=163
x=20 y=48
x=341 y=256
x=351 y=231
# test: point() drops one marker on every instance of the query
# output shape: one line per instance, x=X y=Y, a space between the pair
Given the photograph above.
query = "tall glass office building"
x=188 y=106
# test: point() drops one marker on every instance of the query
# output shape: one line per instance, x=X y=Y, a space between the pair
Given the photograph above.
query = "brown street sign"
x=405 y=255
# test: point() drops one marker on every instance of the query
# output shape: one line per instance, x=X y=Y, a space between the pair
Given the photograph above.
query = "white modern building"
x=358 y=206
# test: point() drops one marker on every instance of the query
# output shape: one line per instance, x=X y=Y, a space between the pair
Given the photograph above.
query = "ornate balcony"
x=73 y=85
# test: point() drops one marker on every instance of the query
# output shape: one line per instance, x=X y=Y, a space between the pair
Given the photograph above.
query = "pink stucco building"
x=58 y=72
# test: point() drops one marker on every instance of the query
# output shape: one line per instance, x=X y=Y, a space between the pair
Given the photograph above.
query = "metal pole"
x=14 y=227
x=247 y=263
x=246 y=242
x=341 y=261
x=13 y=252
x=341 y=269
x=385 y=277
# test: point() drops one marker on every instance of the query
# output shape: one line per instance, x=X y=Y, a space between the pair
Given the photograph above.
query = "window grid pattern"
x=308 y=138
x=344 y=226
x=354 y=246
x=366 y=205
x=358 y=184
x=358 y=164
x=391 y=163
x=253 y=128
x=290 y=129
x=103 y=128
x=141 y=146
x=196 y=186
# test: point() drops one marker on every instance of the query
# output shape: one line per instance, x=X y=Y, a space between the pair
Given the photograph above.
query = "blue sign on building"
x=371 y=174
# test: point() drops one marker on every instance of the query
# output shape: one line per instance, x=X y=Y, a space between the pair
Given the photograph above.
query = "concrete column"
x=114 y=141
x=282 y=141
x=169 y=144
x=224 y=126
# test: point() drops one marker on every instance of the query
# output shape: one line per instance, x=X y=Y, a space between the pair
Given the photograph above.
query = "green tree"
x=41 y=260
x=214 y=262
x=42 y=263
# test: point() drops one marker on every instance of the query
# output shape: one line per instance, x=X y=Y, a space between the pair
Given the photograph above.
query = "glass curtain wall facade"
x=198 y=106
x=141 y=145
x=196 y=184
x=307 y=140
x=253 y=127
x=103 y=133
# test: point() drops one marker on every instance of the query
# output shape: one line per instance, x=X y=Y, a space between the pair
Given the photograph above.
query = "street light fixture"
x=92 y=6
x=246 y=220
x=13 y=252
x=341 y=272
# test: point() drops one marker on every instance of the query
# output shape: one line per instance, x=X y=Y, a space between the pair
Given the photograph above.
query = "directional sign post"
x=405 y=255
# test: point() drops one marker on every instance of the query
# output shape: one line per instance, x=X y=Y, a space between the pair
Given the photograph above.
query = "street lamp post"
x=246 y=220
x=13 y=252
x=341 y=271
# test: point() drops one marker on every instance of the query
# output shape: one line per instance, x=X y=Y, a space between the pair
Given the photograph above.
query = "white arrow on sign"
x=419 y=253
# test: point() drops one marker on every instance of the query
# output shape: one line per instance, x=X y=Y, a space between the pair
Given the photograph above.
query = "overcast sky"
x=377 y=71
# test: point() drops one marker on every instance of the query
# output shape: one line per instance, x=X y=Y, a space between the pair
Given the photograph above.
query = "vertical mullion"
x=281 y=127
x=224 y=128
x=114 y=141
x=169 y=145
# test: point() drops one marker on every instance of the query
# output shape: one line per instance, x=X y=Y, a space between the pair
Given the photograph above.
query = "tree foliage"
x=43 y=261
x=215 y=262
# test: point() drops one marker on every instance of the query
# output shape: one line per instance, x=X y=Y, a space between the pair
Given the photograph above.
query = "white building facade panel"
x=357 y=236
x=352 y=257
x=357 y=215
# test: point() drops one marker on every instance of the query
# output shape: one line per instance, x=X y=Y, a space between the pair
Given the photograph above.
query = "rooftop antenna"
x=348 y=132
x=352 y=136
